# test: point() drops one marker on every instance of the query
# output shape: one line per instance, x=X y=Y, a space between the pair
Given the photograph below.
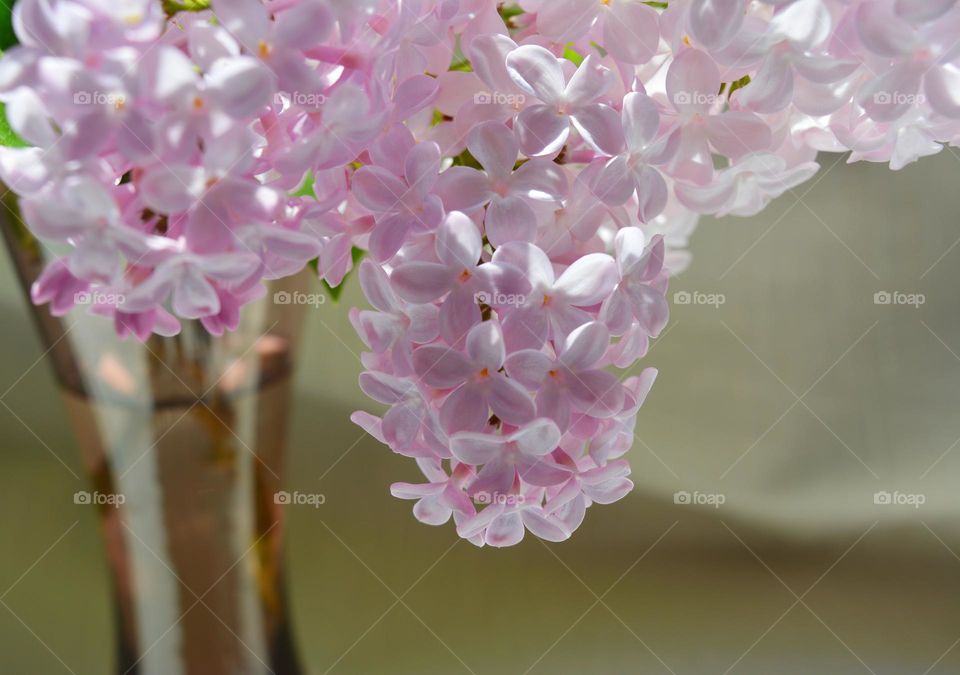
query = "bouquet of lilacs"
x=521 y=176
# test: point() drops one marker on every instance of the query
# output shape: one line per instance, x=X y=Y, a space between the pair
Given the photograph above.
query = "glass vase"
x=183 y=442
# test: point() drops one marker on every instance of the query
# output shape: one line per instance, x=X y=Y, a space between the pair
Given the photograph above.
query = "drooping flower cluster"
x=522 y=175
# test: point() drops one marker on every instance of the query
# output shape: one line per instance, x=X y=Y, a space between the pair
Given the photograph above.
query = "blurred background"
x=809 y=375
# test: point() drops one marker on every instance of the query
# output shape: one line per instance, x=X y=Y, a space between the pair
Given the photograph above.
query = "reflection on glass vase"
x=183 y=439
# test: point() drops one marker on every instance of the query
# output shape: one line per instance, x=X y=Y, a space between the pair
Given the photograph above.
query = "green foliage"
x=336 y=291
x=465 y=158
x=306 y=187
x=172 y=7
x=9 y=137
x=571 y=54
x=739 y=84
x=507 y=13
x=7 y=37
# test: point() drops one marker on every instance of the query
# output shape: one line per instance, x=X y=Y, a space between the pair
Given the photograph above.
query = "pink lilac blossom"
x=524 y=175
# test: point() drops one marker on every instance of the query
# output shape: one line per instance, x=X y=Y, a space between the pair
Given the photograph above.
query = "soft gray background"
x=797 y=399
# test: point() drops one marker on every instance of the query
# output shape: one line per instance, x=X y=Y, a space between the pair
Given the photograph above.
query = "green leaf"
x=9 y=137
x=507 y=13
x=571 y=54
x=336 y=291
x=656 y=5
x=172 y=7
x=739 y=84
x=465 y=158
x=306 y=187
x=600 y=50
x=7 y=37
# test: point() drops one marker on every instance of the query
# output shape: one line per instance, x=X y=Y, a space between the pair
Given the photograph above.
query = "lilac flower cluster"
x=522 y=175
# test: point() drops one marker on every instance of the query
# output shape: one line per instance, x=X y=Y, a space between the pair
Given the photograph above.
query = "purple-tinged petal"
x=585 y=346
x=537 y=72
x=509 y=219
x=506 y=530
x=600 y=127
x=510 y=401
x=459 y=243
x=441 y=367
x=537 y=438
x=474 y=448
x=464 y=410
x=529 y=367
x=542 y=130
x=421 y=282
x=588 y=280
x=495 y=146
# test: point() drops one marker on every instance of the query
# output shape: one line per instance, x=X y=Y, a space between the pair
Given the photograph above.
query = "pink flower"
x=458 y=275
x=511 y=195
x=278 y=41
x=572 y=379
x=543 y=129
x=476 y=381
x=554 y=306
x=393 y=319
x=442 y=497
x=504 y=523
x=640 y=294
x=523 y=454
x=402 y=204
x=693 y=81
x=632 y=172
x=746 y=188
x=629 y=29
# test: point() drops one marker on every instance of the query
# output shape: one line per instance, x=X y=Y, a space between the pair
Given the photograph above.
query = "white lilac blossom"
x=524 y=174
